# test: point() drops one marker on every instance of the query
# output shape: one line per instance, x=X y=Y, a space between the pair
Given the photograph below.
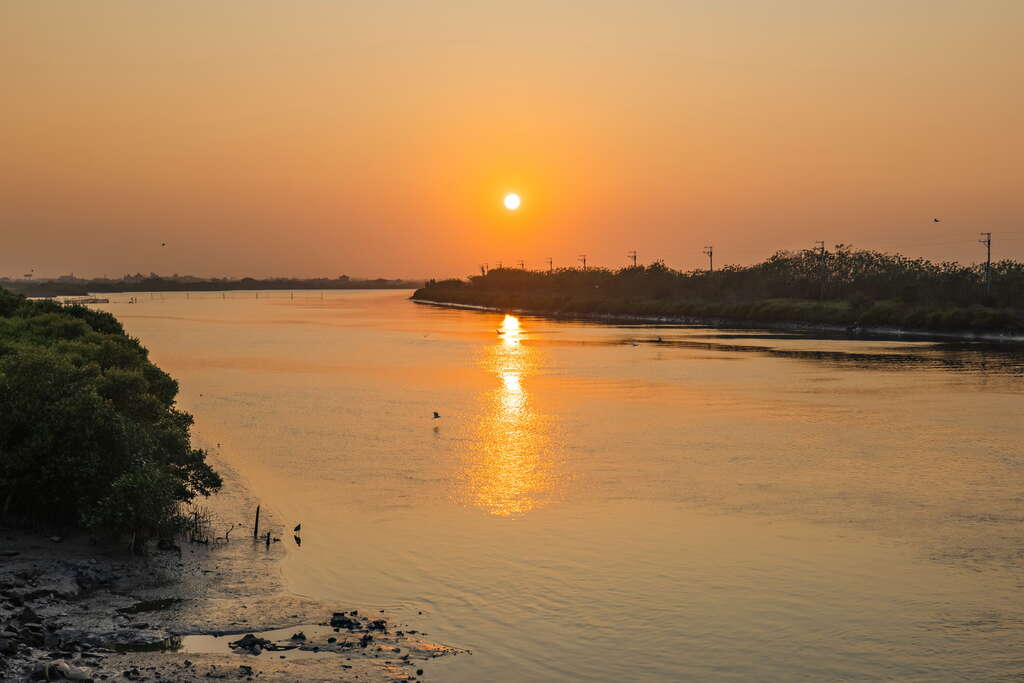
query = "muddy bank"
x=795 y=326
x=73 y=609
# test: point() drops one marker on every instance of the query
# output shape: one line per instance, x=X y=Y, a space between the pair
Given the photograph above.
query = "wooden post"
x=256 y=526
x=268 y=540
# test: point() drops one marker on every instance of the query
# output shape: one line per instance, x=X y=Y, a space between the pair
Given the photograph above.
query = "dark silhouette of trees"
x=155 y=283
x=844 y=286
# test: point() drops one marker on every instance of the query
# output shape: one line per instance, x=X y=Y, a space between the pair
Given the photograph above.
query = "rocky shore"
x=74 y=609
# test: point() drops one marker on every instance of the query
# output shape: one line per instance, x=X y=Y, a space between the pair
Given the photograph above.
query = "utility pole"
x=822 y=256
x=710 y=253
x=583 y=260
x=551 y=265
x=499 y=265
x=483 y=269
x=986 y=239
x=522 y=266
x=632 y=255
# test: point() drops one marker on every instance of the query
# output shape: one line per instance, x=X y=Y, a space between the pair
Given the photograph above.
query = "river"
x=600 y=502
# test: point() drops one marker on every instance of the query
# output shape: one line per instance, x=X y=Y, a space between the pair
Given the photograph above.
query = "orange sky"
x=378 y=138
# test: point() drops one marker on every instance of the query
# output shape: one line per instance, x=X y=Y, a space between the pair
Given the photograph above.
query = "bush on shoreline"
x=842 y=288
x=89 y=433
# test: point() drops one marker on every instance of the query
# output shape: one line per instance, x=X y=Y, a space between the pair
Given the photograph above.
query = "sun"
x=512 y=201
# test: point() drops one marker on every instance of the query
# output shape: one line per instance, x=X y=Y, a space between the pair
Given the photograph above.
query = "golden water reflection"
x=510 y=471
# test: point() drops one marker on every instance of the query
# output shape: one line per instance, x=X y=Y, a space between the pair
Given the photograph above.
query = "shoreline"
x=795 y=326
x=73 y=609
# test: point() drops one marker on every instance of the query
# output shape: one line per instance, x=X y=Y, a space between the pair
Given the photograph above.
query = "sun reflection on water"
x=510 y=471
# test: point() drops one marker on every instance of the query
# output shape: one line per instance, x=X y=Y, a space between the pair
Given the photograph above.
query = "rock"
x=419 y=672
x=64 y=587
x=378 y=625
x=58 y=670
x=88 y=576
x=150 y=606
x=299 y=636
x=365 y=640
x=8 y=646
x=130 y=638
x=251 y=643
x=28 y=616
x=341 y=620
x=332 y=639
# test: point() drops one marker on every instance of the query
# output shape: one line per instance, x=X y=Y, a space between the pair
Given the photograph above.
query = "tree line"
x=844 y=286
x=155 y=283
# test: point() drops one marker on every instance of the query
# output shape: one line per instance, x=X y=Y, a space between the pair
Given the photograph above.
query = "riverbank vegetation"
x=842 y=287
x=89 y=432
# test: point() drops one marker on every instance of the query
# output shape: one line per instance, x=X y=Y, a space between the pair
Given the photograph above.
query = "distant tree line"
x=845 y=286
x=89 y=432
x=70 y=286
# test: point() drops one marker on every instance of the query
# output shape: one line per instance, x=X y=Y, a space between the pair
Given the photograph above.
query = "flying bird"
x=298 y=528
x=437 y=415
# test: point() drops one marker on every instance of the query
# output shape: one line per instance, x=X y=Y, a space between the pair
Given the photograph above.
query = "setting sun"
x=512 y=201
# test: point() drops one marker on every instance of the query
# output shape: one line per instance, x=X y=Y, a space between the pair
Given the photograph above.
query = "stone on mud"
x=342 y=620
x=58 y=670
x=251 y=643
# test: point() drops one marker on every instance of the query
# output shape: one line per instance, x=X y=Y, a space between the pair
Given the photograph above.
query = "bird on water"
x=298 y=528
x=437 y=415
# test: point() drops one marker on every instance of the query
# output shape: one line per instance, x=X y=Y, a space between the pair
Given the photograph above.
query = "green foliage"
x=843 y=287
x=89 y=434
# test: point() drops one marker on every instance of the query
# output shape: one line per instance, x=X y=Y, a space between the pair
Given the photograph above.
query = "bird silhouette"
x=437 y=415
x=163 y=244
x=298 y=528
x=935 y=220
x=298 y=541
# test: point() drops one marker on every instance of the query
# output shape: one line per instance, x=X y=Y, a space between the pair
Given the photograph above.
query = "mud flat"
x=77 y=610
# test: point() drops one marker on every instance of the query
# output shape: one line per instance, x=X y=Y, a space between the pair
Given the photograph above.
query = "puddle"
x=314 y=645
x=282 y=638
x=320 y=640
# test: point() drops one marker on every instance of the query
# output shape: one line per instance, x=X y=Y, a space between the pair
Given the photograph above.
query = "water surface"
x=612 y=503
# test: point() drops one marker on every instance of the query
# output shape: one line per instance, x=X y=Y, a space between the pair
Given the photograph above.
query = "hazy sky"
x=378 y=138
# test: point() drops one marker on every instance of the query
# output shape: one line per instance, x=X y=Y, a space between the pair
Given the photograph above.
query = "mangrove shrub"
x=89 y=432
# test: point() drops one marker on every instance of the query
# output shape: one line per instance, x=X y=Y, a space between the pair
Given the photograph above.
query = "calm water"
x=595 y=504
